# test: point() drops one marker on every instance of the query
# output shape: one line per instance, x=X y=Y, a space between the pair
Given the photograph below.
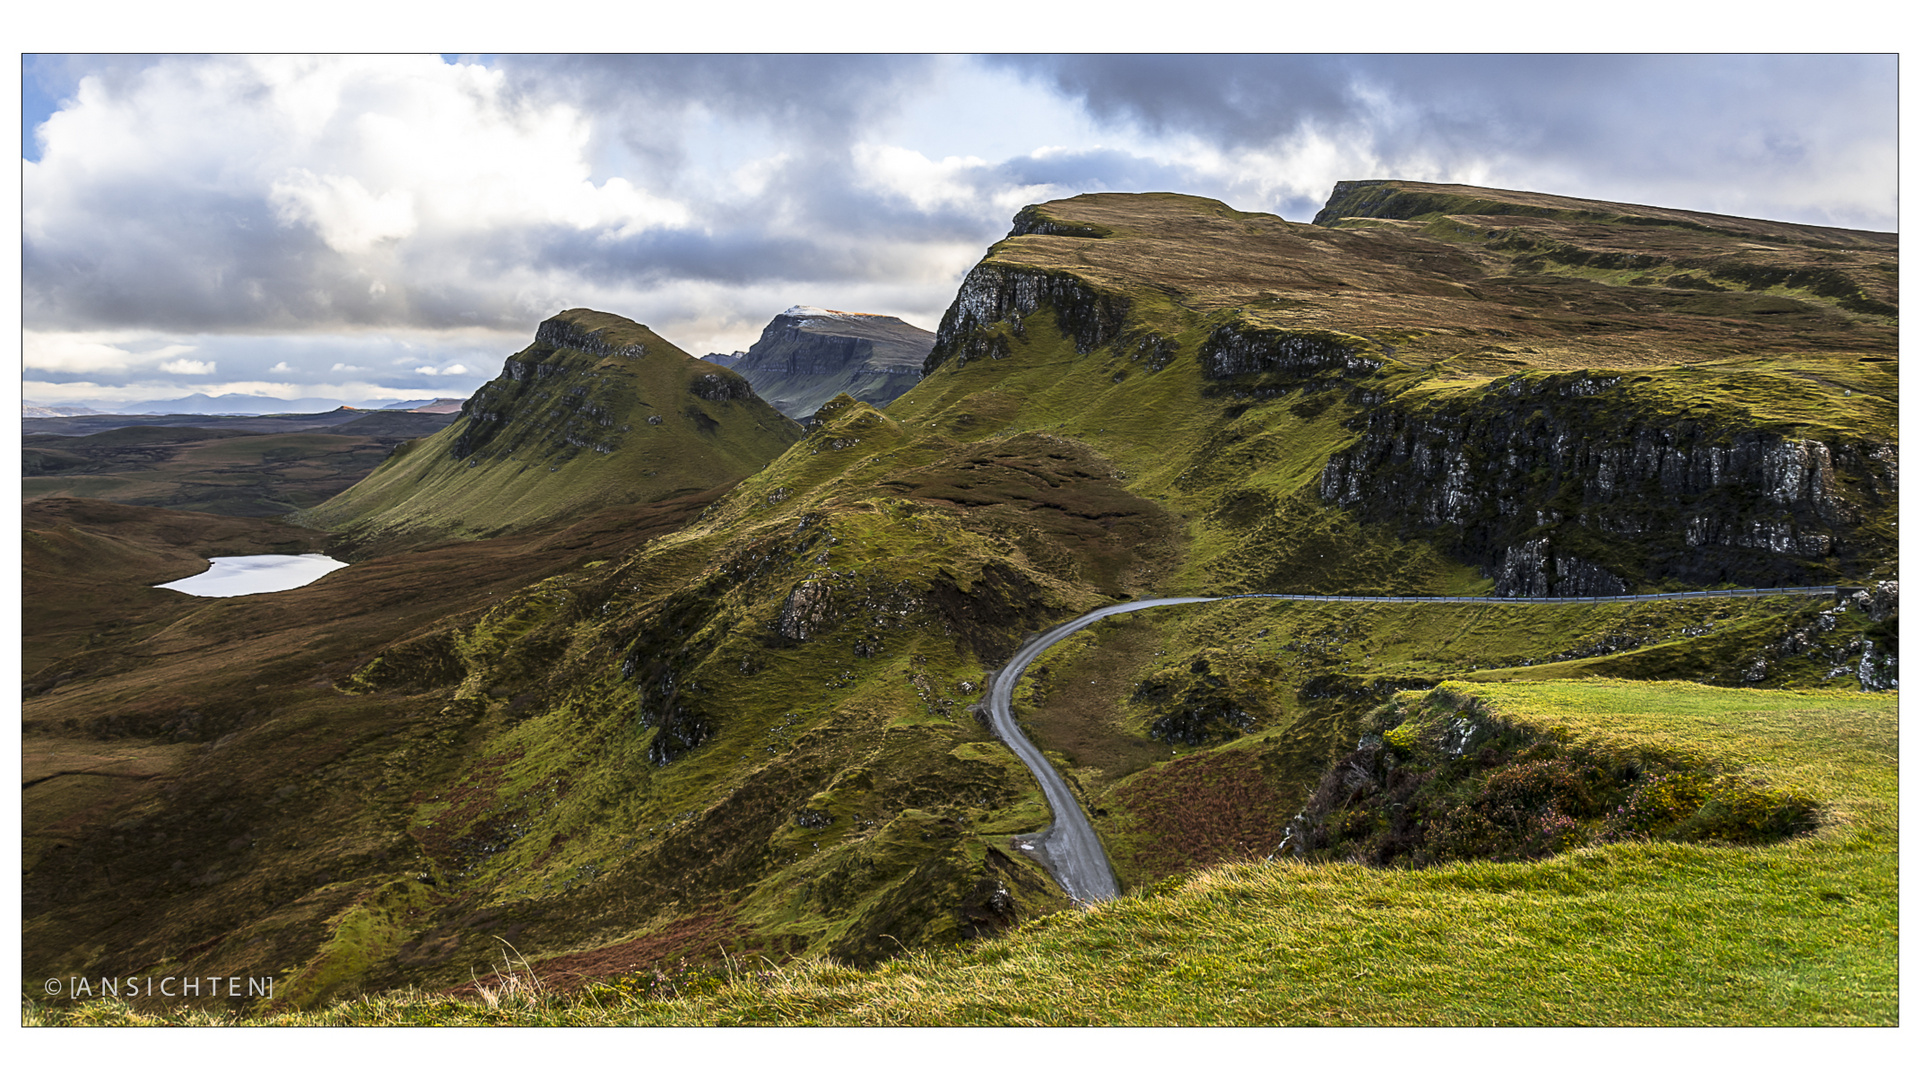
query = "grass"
x=1796 y=934
x=1304 y=675
x=201 y=470
x=642 y=741
x=578 y=432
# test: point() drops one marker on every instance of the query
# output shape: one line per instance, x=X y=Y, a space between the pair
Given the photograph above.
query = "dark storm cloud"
x=796 y=91
x=1238 y=99
x=1538 y=102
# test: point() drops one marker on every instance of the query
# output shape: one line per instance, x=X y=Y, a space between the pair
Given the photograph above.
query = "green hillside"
x=741 y=740
x=597 y=411
x=1677 y=934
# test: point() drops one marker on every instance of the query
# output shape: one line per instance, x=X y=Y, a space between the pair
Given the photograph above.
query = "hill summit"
x=598 y=410
x=808 y=355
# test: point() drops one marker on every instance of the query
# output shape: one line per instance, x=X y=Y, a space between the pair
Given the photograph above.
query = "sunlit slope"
x=598 y=410
x=1548 y=404
x=1803 y=933
x=744 y=735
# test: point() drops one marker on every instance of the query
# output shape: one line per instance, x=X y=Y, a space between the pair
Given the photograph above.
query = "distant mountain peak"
x=808 y=311
x=807 y=354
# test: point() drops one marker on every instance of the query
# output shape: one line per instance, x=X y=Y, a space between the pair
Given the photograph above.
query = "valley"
x=648 y=681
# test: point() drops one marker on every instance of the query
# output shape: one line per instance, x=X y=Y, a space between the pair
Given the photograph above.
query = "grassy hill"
x=1796 y=934
x=598 y=411
x=742 y=735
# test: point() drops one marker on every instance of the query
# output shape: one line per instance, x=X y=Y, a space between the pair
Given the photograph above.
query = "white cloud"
x=345 y=368
x=345 y=214
x=103 y=352
x=450 y=369
x=922 y=181
x=188 y=367
x=198 y=188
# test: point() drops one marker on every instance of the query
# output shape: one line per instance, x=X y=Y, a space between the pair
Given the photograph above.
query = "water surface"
x=244 y=575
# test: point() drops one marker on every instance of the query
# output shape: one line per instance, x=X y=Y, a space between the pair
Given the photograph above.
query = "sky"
x=367 y=227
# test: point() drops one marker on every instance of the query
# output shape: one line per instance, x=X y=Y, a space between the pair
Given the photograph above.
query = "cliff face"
x=1582 y=484
x=807 y=356
x=995 y=293
x=1574 y=397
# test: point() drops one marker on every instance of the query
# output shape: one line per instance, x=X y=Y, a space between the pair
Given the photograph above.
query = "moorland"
x=639 y=702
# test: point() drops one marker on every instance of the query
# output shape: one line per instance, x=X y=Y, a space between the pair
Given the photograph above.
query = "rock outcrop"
x=1567 y=485
x=995 y=293
x=808 y=355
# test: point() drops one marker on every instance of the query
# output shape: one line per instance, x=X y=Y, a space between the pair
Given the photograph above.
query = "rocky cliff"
x=807 y=356
x=1574 y=397
x=1585 y=483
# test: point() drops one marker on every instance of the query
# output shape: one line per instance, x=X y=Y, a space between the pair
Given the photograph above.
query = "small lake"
x=244 y=575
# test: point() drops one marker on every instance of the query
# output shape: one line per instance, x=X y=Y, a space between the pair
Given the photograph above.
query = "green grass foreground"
x=1799 y=933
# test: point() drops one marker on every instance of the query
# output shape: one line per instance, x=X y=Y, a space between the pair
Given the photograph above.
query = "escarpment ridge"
x=1656 y=397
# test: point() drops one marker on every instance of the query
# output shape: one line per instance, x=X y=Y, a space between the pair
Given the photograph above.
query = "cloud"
x=108 y=353
x=237 y=193
x=659 y=116
x=351 y=214
x=349 y=218
x=1740 y=134
x=465 y=359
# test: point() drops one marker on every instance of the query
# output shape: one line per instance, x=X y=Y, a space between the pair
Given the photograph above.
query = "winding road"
x=1068 y=848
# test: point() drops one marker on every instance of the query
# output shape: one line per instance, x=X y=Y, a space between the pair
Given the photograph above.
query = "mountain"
x=94 y=423
x=598 y=410
x=422 y=405
x=29 y=409
x=807 y=355
x=1568 y=396
x=231 y=405
x=638 y=740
